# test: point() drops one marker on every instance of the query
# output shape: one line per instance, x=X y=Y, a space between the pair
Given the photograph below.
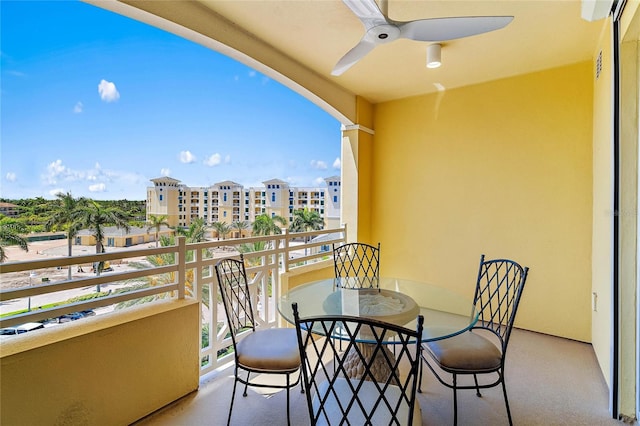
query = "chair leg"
x=420 y=367
x=246 y=384
x=475 y=379
x=506 y=401
x=288 y=403
x=233 y=395
x=455 y=400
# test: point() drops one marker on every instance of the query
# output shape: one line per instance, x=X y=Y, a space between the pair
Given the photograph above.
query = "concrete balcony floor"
x=550 y=381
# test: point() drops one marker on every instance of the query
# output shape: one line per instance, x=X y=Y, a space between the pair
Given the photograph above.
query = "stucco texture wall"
x=110 y=369
x=502 y=168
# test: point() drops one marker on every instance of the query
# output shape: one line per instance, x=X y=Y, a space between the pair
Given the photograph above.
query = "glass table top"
x=398 y=301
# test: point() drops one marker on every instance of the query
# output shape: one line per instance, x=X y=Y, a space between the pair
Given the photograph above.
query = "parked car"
x=19 y=329
x=70 y=317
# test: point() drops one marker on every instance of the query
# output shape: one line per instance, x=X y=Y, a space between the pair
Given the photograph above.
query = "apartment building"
x=230 y=201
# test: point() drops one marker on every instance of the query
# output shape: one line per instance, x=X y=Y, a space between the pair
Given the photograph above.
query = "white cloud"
x=213 y=160
x=56 y=191
x=187 y=157
x=78 y=108
x=318 y=164
x=108 y=91
x=227 y=159
x=96 y=178
x=10 y=176
x=337 y=164
x=55 y=170
x=318 y=181
x=98 y=187
x=165 y=172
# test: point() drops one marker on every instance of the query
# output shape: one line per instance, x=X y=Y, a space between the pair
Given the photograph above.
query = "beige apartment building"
x=230 y=201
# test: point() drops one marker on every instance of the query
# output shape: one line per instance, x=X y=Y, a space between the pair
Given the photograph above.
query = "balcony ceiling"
x=310 y=36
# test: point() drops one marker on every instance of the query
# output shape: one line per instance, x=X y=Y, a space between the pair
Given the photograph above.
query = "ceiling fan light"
x=434 y=57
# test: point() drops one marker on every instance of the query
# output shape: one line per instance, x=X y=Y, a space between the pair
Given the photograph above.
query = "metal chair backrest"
x=497 y=296
x=236 y=298
x=367 y=386
x=357 y=260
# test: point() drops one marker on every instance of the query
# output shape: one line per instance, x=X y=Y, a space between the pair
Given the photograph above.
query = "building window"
x=273 y=197
x=224 y=197
x=160 y=197
x=335 y=198
x=224 y=214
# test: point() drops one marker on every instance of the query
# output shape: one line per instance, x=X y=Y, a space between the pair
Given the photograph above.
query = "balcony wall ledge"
x=109 y=369
x=70 y=330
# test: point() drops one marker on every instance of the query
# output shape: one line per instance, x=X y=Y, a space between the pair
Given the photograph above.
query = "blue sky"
x=97 y=104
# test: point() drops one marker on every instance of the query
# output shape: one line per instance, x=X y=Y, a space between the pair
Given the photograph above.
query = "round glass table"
x=394 y=300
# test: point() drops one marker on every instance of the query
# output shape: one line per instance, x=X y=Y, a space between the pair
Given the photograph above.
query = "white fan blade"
x=442 y=29
x=354 y=55
x=367 y=11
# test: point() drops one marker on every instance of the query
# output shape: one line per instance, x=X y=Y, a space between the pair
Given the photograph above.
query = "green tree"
x=306 y=220
x=96 y=218
x=219 y=227
x=266 y=225
x=240 y=226
x=156 y=222
x=196 y=232
x=10 y=234
x=225 y=230
x=63 y=217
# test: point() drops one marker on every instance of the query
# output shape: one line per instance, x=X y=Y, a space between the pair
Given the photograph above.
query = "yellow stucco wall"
x=110 y=369
x=502 y=168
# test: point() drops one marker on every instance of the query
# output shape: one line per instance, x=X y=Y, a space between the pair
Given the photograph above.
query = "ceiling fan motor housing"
x=383 y=33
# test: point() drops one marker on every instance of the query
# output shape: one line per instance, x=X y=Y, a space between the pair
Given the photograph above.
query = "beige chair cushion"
x=368 y=395
x=270 y=349
x=466 y=351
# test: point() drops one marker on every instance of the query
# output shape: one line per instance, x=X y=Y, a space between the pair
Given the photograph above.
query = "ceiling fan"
x=380 y=30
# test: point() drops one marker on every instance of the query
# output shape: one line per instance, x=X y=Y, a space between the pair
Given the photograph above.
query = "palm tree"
x=96 y=218
x=306 y=220
x=219 y=227
x=266 y=225
x=196 y=232
x=156 y=222
x=224 y=230
x=63 y=217
x=10 y=235
x=240 y=226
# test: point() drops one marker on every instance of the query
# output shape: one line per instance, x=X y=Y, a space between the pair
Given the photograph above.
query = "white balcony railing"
x=144 y=275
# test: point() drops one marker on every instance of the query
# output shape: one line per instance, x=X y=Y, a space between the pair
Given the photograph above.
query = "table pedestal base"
x=379 y=366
